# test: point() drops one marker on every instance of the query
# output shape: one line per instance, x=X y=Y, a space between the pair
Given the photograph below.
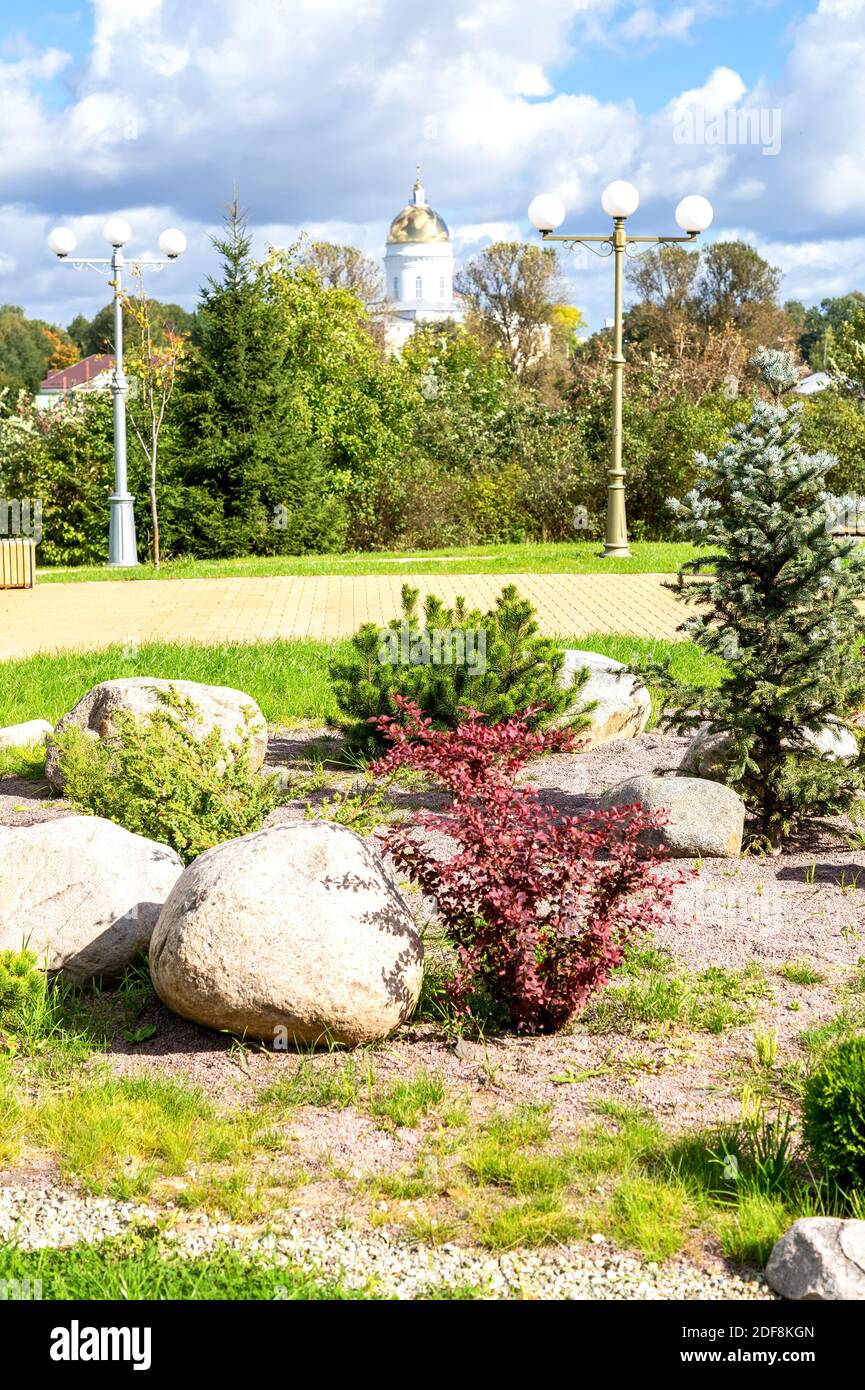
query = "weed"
x=406 y=1102
x=766 y=1046
x=800 y=972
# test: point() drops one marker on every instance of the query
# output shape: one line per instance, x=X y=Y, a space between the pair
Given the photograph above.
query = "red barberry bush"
x=538 y=907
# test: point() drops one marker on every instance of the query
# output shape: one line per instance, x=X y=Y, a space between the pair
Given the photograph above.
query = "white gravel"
x=385 y=1262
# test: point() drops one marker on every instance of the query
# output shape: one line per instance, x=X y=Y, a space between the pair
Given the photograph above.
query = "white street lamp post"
x=619 y=200
x=122 y=550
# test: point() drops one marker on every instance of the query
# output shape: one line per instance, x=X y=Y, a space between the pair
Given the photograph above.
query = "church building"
x=419 y=270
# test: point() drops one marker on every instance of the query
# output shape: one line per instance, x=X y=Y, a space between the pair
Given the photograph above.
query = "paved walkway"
x=81 y=616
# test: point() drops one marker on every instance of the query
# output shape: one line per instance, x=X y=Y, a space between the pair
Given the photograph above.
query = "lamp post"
x=122 y=552
x=620 y=199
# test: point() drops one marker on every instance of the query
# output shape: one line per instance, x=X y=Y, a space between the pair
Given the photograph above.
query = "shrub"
x=781 y=609
x=22 y=986
x=539 y=908
x=155 y=777
x=834 y=1112
x=505 y=667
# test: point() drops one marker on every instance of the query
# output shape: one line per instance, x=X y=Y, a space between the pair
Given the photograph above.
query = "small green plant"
x=451 y=659
x=406 y=1102
x=157 y=777
x=326 y=1081
x=834 y=1113
x=117 y=1136
x=22 y=988
x=766 y=1046
x=801 y=972
x=27 y=762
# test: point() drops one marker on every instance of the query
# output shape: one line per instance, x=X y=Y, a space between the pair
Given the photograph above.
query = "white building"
x=419 y=270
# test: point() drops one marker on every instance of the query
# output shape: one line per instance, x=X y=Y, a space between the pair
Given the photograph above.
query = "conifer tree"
x=781 y=610
x=261 y=481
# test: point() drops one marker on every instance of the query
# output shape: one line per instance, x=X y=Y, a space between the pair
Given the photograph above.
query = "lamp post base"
x=122 y=550
x=615 y=552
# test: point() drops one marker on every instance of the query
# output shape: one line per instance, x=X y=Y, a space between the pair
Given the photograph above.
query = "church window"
x=396 y=287
x=418 y=287
x=442 y=288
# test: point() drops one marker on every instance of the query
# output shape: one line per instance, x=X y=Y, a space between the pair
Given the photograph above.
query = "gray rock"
x=820 y=1258
x=23 y=735
x=296 y=933
x=623 y=704
x=707 y=754
x=82 y=893
x=705 y=819
x=219 y=707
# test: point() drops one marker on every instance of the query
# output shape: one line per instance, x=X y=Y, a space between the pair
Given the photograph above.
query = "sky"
x=318 y=111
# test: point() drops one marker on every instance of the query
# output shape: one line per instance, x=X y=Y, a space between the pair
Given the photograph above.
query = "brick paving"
x=82 y=616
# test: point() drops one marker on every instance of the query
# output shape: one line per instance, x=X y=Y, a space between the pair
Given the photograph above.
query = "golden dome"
x=418 y=221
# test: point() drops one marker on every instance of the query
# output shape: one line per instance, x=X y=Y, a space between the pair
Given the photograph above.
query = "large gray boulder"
x=34 y=731
x=219 y=707
x=296 y=933
x=704 y=819
x=82 y=893
x=707 y=754
x=820 y=1258
x=623 y=704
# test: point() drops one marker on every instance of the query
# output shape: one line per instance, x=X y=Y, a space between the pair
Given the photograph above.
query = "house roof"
x=68 y=378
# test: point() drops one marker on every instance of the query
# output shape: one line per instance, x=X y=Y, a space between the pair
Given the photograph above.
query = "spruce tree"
x=781 y=611
x=259 y=481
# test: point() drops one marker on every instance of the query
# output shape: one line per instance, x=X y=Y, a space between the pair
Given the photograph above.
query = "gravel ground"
x=806 y=903
x=397 y=1267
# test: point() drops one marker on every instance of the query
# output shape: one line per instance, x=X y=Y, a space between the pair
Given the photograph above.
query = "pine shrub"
x=537 y=907
x=781 y=610
x=156 y=777
x=834 y=1113
x=506 y=668
x=22 y=986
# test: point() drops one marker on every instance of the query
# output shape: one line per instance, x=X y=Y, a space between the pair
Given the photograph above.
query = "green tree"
x=846 y=351
x=167 y=321
x=64 y=459
x=26 y=349
x=512 y=291
x=341 y=267
x=782 y=612
x=348 y=398
x=255 y=480
x=819 y=325
x=734 y=280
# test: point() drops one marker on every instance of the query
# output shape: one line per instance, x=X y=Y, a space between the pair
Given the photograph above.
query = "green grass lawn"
x=578 y=557
x=138 y=1267
x=288 y=679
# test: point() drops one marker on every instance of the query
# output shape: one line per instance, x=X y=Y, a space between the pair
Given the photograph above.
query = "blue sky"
x=318 y=109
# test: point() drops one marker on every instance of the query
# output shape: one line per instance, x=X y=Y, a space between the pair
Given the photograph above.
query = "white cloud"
x=318 y=109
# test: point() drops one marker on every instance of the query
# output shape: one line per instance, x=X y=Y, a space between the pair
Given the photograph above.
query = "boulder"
x=82 y=893
x=296 y=933
x=833 y=741
x=707 y=753
x=622 y=703
x=22 y=735
x=704 y=819
x=820 y=1258
x=219 y=707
